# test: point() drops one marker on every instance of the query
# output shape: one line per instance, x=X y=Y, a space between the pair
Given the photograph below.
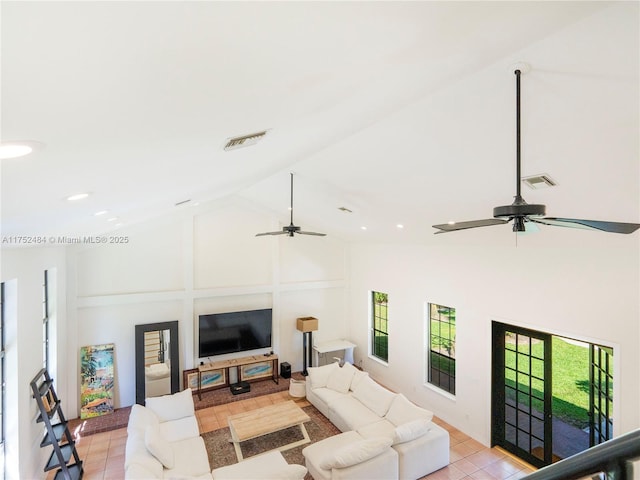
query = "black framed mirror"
x=157 y=360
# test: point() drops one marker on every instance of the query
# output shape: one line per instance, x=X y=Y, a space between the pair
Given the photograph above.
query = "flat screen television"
x=232 y=332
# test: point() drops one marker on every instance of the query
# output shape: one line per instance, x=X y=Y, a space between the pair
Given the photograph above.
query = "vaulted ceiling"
x=402 y=112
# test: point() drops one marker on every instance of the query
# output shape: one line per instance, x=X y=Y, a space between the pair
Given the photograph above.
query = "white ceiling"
x=402 y=112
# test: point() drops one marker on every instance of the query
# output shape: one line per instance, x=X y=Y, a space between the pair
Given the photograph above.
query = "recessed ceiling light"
x=13 y=151
x=18 y=148
x=400 y=226
x=451 y=222
x=77 y=196
x=363 y=228
x=112 y=219
x=101 y=212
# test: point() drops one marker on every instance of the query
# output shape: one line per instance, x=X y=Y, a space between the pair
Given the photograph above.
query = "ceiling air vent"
x=539 y=181
x=244 y=140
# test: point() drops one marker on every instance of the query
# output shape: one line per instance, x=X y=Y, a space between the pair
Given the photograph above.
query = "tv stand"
x=238 y=363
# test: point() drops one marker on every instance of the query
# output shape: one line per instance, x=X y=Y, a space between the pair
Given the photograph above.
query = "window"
x=379 y=326
x=442 y=347
x=45 y=322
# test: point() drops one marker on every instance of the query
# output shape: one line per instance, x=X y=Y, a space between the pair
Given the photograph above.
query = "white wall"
x=202 y=260
x=23 y=274
x=589 y=293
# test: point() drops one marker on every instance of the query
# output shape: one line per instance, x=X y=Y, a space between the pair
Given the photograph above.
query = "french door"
x=600 y=394
x=521 y=398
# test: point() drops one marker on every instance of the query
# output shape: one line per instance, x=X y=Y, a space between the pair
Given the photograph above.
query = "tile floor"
x=103 y=453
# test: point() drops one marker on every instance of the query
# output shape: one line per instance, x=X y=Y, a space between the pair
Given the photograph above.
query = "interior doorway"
x=552 y=396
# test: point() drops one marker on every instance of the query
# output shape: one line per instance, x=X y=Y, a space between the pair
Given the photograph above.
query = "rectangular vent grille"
x=244 y=141
x=539 y=181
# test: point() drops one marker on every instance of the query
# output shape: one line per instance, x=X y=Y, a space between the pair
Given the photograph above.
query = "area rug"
x=221 y=451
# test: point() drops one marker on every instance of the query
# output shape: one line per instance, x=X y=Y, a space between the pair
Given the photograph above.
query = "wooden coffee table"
x=265 y=420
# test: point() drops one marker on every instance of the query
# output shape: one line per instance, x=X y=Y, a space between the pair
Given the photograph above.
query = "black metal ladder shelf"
x=64 y=456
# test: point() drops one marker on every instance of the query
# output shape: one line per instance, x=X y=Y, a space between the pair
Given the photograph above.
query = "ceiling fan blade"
x=312 y=233
x=452 y=227
x=281 y=232
x=611 y=227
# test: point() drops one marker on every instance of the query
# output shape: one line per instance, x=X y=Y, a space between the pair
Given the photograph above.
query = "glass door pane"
x=600 y=394
x=522 y=408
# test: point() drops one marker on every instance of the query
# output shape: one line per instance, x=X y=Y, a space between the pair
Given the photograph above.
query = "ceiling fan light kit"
x=522 y=213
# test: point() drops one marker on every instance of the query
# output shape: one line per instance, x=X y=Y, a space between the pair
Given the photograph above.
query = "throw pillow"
x=355 y=453
x=172 y=407
x=158 y=446
x=374 y=396
x=402 y=411
x=358 y=376
x=140 y=417
x=411 y=430
x=319 y=375
x=340 y=378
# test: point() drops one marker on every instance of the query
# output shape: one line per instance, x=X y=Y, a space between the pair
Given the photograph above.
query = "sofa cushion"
x=382 y=428
x=191 y=459
x=350 y=414
x=319 y=375
x=355 y=453
x=158 y=446
x=172 y=407
x=328 y=396
x=411 y=430
x=271 y=463
x=135 y=471
x=358 y=376
x=139 y=418
x=182 y=429
x=136 y=453
x=374 y=396
x=340 y=379
x=402 y=411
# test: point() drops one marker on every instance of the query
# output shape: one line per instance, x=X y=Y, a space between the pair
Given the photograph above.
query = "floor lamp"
x=307 y=325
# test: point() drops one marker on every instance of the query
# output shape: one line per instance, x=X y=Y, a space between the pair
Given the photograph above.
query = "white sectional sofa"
x=163 y=440
x=353 y=402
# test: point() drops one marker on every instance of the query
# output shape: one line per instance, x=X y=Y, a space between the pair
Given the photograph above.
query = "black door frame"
x=499 y=401
x=600 y=401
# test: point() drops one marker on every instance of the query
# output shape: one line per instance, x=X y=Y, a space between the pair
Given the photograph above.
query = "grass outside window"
x=380 y=326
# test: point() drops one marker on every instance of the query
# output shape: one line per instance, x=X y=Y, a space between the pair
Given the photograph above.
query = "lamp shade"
x=307 y=324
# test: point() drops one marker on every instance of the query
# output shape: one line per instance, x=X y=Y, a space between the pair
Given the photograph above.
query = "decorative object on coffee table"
x=307 y=325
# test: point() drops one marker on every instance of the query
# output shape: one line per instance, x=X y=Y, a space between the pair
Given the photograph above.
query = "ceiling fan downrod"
x=519 y=209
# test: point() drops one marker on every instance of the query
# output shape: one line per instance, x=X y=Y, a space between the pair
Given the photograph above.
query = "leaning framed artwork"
x=254 y=371
x=97 y=380
x=209 y=379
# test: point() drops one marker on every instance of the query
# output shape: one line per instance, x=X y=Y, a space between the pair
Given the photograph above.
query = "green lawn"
x=570 y=383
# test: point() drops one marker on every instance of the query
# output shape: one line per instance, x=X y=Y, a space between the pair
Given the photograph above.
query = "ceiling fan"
x=291 y=228
x=523 y=213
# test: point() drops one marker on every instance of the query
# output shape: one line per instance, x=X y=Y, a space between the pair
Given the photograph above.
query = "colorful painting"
x=253 y=371
x=96 y=380
x=209 y=379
